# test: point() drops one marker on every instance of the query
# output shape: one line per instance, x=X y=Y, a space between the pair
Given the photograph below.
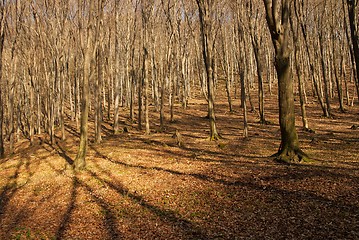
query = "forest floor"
x=147 y=187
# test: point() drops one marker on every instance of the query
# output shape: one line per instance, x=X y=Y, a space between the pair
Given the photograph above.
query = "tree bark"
x=255 y=45
x=205 y=9
x=299 y=75
x=117 y=70
x=80 y=162
x=2 y=38
x=311 y=59
x=352 y=12
x=146 y=12
x=289 y=150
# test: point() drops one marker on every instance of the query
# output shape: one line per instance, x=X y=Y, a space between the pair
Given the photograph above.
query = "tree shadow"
x=9 y=189
x=70 y=208
x=303 y=171
x=61 y=152
x=189 y=229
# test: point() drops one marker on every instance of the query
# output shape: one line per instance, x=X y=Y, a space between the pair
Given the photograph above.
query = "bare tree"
x=79 y=162
x=147 y=8
x=277 y=16
x=206 y=11
x=117 y=68
x=299 y=74
x=100 y=71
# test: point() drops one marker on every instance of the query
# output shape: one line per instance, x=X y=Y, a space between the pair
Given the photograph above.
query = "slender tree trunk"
x=172 y=94
x=162 y=112
x=79 y=162
x=299 y=76
x=336 y=77
x=62 y=110
x=325 y=75
x=243 y=96
x=12 y=107
x=227 y=69
x=98 y=87
x=100 y=73
x=117 y=69
x=255 y=45
x=132 y=95
x=205 y=10
x=311 y=60
x=139 y=93
x=241 y=70
x=146 y=12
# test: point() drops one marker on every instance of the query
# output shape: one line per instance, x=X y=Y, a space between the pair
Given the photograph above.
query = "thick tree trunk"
x=278 y=24
x=2 y=38
x=289 y=139
x=352 y=11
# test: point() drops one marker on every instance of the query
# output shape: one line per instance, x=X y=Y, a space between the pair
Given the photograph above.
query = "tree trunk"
x=139 y=92
x=311 y=60
x=98 y=105
x=205 y=11
x=336 y=77
x=117 y=70
x=352 y=6
x=299 y=76
x=100 y=73
x=278 y=24
x=62 y=102
x=12 y=106
x=2 y=38
x=325 y=76
x=255 y=45
x=226 y=67
x=79 y=162
x=146 y=12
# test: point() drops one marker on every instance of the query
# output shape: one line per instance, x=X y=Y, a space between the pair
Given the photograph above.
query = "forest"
x=188 y=119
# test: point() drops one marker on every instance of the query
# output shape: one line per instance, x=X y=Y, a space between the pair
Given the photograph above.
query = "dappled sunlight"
x=146 y=186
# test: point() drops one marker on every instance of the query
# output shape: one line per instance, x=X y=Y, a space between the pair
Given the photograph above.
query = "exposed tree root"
x=289 y=156
x=79 y=164
x=215 y=137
